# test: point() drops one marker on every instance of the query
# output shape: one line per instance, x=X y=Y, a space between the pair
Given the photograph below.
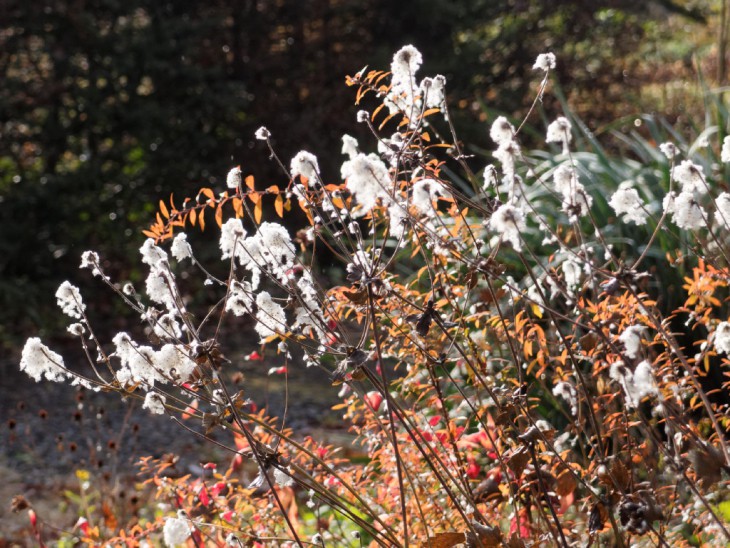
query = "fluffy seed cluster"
x=559 y=132
x=424 y=192
x=576 y=201
x=402 y=96
x=176 y=531
x=368 y=179
x=180 y=248
x=690 y=176
x=69 y=300
x=544 y=61
x=509 y=222
x=725 y=152
x=722 y=215
x=627 y=202
x=155 y=403
x=631 y=337
x=240 y=298
x=39 y=361
x=686 y=212
x=269 y=250
x=270 y=316
x=433 y=91
x=669 y=150
x=722 y=338
x=304 y=164
x=90 y=259
x=637 y=384
x=233 y=179
x=143 y=364
x=262 y=134
x=349 y=146
x=502 y=131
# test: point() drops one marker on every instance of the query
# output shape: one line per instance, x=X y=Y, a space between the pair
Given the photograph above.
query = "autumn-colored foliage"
x=510 y=374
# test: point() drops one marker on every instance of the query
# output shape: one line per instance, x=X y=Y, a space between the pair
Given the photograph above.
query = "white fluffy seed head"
x=305 y=165
x=544 y=61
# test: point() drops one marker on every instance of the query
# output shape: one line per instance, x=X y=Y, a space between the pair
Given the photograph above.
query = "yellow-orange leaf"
x=273 y=189
x=287 y=205
x=208 y=193
x=379 y=78
x=279 y=205
x=201 y=219
x=219 y=215
x=149 y=234
x=193 y=217
x=249 y=182
x=238 y=207
x=376 y=111
x=431 y=111
x=257 y=211
x=163 y=209
x=255 y=197
x=387 y=119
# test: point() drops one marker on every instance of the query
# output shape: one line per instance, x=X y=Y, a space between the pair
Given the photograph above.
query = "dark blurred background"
x=106 y=106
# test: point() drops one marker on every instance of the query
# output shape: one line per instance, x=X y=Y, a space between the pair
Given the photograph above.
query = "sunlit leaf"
x=219 y=215
x=258 y=211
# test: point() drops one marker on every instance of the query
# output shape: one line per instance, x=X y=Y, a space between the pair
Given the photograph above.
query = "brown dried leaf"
x=487 y=489
x=444 y=540
x=356 y=296
x=488 y=537
x=566 y=483
x=518 y=460
x=620 y=475
x=589 y=341
x=515 y=542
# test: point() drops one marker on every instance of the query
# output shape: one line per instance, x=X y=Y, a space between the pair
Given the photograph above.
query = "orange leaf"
x=255 y=197
x=249 y=182
x=193 y=217
x=431 y=111
x=279 y=205
x=376 y=111
x=219 y=215
x=208 y=193
x=426 y=137
x=201 y=219
x=387 y=119
x=163 y=209
x=149 y=234
x=238 y=207
x=258 y=211
x=273 y=189
x=379 y=78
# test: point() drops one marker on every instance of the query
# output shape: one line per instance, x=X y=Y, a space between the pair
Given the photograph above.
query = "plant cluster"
x=502 y=354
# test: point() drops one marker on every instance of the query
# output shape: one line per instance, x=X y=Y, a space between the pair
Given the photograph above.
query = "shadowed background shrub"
x=106 y=103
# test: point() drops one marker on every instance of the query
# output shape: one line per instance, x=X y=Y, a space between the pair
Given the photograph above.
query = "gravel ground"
x=50 y=430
